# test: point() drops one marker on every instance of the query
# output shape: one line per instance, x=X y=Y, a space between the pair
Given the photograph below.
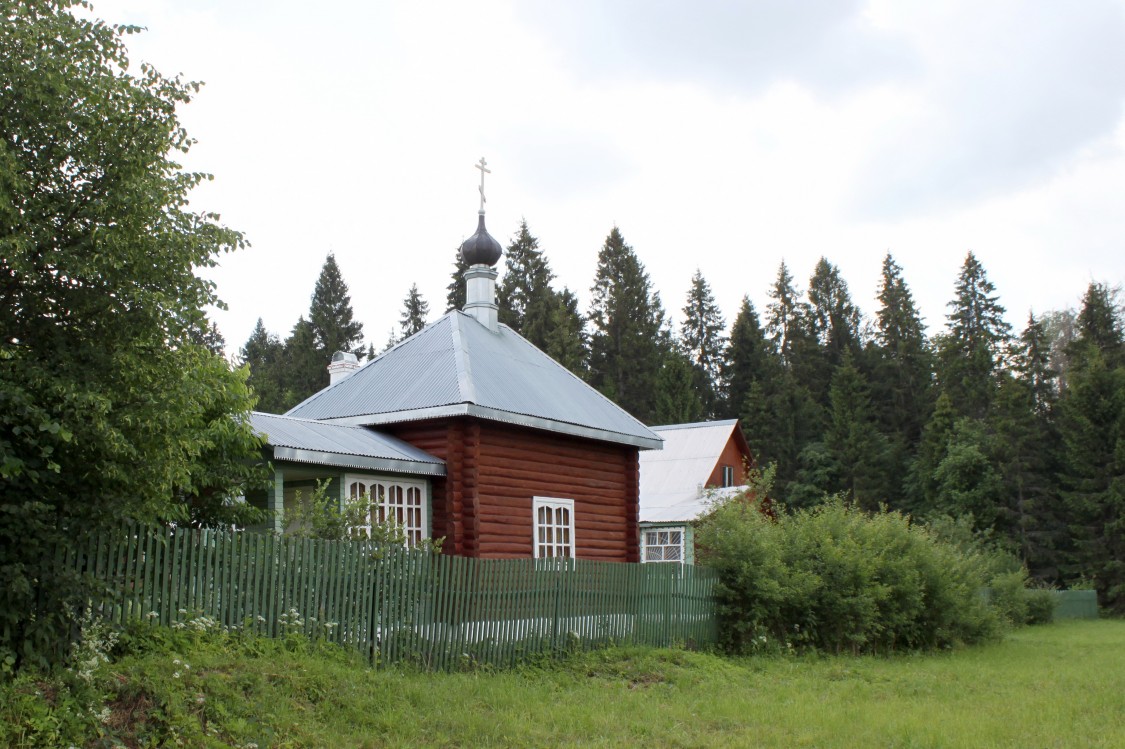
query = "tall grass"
x=1059 y=685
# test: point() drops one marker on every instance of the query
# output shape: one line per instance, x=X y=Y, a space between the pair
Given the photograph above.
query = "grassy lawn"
x=1060 y=685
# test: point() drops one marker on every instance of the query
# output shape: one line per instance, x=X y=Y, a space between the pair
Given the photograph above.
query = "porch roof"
x=320 y=443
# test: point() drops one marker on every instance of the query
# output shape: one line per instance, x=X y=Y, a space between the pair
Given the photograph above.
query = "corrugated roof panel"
x=419 y=372
x=301 y=434
x=510 y=374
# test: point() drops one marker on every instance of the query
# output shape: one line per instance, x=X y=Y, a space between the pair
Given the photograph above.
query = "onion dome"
x=481 y=248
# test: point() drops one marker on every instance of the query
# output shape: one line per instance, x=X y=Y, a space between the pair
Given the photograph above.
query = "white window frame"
x=682 y=530
x=552 y=504
x=414 y=532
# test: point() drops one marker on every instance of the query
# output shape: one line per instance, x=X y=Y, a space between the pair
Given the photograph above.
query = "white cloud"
x=723 y=136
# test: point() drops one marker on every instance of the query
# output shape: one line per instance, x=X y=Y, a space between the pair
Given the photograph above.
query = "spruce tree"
x=414 y=313
x=566 y=340
x=794 y=413
x=392 y=339
x=455 y=296
x=921 y=488
x=781 y=419
x=973 y=352
x=331 y=316
x=833 y=317
x=787 y=318
x=1099 y=324
x=677 y=396
x=1092 y=424
x=746 y=361
x=1026 y=457
x=524 y=294
x=967 y=481
x=264 y=354
x=626 y=316
x=703 y=341
x=304 y=367
x=1093 y=477
x=1033 y=367
x=903 y=365
x=855 y=446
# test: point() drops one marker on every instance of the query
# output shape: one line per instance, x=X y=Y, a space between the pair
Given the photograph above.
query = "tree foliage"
x=415 y=310
x=704 y=341
x=626 y=316
x=977 y=342
x=746 y=361
x=110 y=407
x=456 y=291
x=330 y=313
x=283 y=375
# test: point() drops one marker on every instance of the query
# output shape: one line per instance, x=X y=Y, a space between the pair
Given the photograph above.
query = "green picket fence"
x=395 y=605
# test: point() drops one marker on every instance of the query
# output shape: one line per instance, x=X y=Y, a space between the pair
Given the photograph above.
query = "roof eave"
x=341 y=460
x=507 y=417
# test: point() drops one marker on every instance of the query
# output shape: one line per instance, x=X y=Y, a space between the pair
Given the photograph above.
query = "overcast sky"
x=724 y=136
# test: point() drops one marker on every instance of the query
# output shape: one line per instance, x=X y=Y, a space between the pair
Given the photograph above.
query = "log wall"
x=483 y=506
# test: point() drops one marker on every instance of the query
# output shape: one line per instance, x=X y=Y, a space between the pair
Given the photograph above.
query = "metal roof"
x=307 y=441
x=457 y=367
x=673 y=480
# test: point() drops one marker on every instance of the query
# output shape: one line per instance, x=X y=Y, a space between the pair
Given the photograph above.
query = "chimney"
x=342 y=366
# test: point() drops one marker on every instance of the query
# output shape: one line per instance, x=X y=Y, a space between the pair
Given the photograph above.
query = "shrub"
x=836 y=579
x=1040 y=605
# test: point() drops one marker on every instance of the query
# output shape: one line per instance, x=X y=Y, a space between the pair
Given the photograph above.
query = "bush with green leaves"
x=1006 y=581
x=112 y=404
x=839 y=580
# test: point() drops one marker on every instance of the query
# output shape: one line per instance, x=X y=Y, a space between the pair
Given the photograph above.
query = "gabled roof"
x=457 y=367
x=673 y=480
x=305 y=441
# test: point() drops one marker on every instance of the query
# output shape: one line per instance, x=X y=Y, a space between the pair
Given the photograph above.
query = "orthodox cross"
x=483 y=171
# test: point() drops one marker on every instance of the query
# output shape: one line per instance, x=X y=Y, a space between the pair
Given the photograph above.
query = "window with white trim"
x=553 y=527
x=402 y=503
x=663 y=545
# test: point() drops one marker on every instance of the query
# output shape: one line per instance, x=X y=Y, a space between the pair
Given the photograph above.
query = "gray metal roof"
x=458 y=367
x=306 y=441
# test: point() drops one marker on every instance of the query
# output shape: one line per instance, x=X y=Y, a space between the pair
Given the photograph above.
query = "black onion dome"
x=481 y=248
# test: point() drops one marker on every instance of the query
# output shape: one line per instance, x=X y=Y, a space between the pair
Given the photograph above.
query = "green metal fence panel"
x=1076 y=604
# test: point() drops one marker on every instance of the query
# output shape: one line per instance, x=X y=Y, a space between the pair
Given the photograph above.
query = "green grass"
x=1059 y=685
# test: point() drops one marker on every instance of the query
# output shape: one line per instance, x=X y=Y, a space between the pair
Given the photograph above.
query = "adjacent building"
x=698 y=463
